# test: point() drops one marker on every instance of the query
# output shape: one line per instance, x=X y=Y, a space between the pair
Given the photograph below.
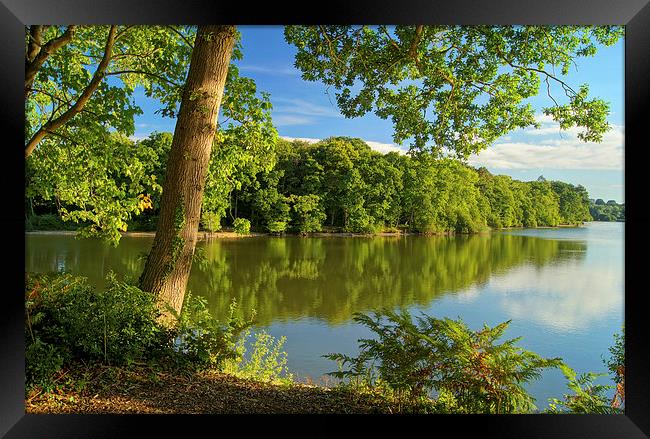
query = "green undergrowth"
x=430 y=365
x=410 y=365
x=70 y=324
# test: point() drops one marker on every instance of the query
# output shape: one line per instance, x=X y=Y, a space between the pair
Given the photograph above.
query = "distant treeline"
x=610 y=211
x=339 y=184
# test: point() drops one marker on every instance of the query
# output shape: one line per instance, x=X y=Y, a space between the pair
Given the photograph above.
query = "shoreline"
x=203 y=235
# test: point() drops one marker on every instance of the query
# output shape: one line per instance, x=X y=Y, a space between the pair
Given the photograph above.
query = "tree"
x=65 y=98
x=168 y=265
x=78 y=88
x=454 y=87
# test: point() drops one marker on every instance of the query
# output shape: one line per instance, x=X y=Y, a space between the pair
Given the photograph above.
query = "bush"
x=242 y=226
x=200 y=341
x=616 y=366
x=115 y=326
x=266 y=361
x=470 y=372
x=66 y=320
x=277 y=227
x=587 y=397
x=211 y=221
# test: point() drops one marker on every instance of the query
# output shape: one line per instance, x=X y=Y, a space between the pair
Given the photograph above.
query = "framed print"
x=443 y=201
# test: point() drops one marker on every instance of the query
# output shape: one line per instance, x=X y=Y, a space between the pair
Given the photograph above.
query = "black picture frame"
x=634 y=14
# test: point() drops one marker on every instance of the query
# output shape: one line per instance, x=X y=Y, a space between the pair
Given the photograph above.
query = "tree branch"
x=97 y=78
x=35 y=42
x=32 y=66
x=142 y=72
x=180 y=34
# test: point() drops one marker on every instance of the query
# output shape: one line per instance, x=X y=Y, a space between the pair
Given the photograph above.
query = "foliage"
x=616 y=366
x=68 y=321
x=117 y=325
x=265 y=362
x=88 y=167
x=47 y=221
x=617 y=358
x=242 y=226
x=607 y=211
x=102 y=182
x=308 y=214
x=152 y=57
x=468 y=369
x=454 y=87
x=573 y=202
x=211 y=221
x=201 y=340
x=587 y=397
x=341 y=182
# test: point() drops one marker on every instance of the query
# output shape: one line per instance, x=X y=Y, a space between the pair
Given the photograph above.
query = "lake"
x=562 y=288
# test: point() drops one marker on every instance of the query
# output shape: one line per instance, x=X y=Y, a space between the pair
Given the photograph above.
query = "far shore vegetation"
x=340 y=185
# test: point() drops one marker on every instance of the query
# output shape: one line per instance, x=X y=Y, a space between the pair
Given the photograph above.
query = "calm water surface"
x=562 y=288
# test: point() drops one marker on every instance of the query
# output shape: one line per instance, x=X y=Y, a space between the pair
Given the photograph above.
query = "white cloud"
x=384 y=148
x=565 y=298
x=305 y=108
x=302 y=139
x=376 y=146
x=566 y=152
x=269 y=70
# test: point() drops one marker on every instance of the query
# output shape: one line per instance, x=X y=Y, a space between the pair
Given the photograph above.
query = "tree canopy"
x=455 y=88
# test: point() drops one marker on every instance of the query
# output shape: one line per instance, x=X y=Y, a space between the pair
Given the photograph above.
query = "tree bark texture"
x=168 y=265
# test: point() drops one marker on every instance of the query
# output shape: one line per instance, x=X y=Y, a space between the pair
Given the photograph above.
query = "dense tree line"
x=610 y=211
x=339 y=184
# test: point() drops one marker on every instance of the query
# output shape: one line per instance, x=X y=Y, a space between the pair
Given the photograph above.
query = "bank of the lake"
x=231 y=234
x=141 y=390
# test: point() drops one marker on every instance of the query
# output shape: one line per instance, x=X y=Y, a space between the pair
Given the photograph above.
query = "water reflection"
x=567 y=298
x=332 y=278
x=290 y=278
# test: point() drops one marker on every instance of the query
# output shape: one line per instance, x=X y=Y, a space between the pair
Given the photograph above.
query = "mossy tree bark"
x=168 y=265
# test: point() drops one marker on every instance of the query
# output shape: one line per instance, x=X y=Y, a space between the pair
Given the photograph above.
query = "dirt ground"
x=121 y=391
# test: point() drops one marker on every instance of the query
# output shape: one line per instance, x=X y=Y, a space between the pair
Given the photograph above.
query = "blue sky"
x=304 y=110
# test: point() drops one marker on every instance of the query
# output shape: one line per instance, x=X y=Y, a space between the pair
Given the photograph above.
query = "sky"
x=307 y=110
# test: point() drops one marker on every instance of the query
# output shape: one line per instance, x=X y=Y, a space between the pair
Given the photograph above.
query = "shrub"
x=266 y=361
x=242 y=226
x=116 y=326
x=66 y=320
x=201 y=341
x=211 y=221
x=277 y=227
x=587 y=397
x=470 y=372
x=616 y=366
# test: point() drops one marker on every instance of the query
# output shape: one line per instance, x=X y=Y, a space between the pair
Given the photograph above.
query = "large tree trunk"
x=168 y=266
